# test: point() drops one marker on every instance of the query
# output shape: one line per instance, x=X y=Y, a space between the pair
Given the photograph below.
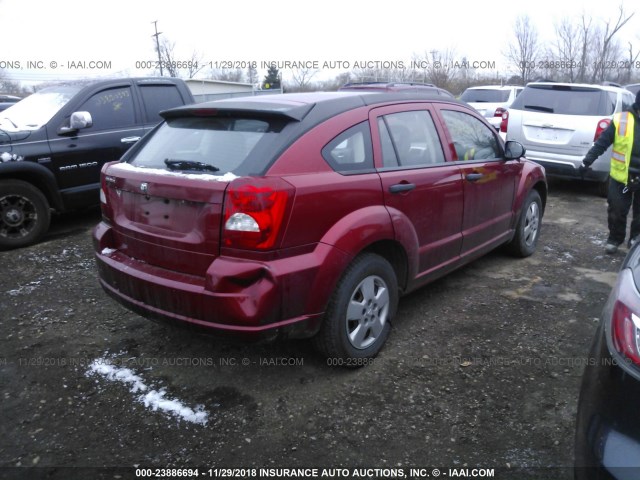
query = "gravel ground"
x=482 y=370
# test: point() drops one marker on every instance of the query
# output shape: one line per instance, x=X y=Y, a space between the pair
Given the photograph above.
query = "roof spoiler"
x=229 y=109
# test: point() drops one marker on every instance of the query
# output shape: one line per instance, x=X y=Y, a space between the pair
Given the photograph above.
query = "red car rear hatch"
x=166 y=219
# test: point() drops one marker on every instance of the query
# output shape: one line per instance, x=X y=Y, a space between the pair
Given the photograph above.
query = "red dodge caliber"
x=309 y=215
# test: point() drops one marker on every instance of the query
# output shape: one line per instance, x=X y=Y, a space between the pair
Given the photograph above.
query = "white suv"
x=558 y=123
x=491 y=101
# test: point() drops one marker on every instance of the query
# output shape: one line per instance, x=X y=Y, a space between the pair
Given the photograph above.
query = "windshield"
x=566 y=100
x=37 y=109
x=204 y=144
x=479 y=95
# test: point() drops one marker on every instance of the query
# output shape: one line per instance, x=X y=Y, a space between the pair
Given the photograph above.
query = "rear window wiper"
x=539 y=107
x=185 y=165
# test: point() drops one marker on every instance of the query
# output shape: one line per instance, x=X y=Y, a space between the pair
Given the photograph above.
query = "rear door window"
x=409 y=139
x=157 y=98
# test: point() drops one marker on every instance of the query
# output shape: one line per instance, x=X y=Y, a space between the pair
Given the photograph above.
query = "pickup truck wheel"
x=24 y=214
x=357 y=321
x=528 y=229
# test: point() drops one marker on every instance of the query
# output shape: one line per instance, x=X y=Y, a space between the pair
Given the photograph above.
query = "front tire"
x=357 y=320
x=528 y=229
x=24 y=214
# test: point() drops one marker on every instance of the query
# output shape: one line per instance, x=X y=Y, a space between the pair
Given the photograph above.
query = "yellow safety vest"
x=622 y=146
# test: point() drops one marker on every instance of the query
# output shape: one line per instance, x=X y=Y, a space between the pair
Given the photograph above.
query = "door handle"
x=401 y=187
x=129 y=139
x=474 y=177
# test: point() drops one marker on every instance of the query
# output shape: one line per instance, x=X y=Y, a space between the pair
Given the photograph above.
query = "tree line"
x=583 y=49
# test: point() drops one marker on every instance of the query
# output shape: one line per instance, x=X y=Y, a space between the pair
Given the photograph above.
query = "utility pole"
x=157 y=34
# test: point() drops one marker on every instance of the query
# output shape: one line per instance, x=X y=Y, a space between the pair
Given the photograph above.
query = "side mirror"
x=513 y=150
x=78 y=121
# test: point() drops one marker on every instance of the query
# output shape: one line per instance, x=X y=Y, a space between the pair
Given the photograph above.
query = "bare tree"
x=252 y=75
x=11 y=87
x=302 y=79
x=167 y=57
x=336 y=82
x=442 y=71
x=567 y=50
x=226 y=75
x=607 y=49
x=523 y=54
x=438 y=67
x=174 y=66
x=633 y=58
x=194 y=64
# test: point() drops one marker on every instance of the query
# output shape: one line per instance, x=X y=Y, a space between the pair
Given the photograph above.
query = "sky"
x=45 y=41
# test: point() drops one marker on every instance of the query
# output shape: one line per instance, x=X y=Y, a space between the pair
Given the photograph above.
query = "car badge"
x=144 y=187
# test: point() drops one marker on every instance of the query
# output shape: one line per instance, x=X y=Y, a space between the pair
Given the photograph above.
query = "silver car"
x=491 y=101
x=558 y=123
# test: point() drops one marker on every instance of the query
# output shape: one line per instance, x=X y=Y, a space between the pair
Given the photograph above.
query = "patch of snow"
x=108 y=251
x=24 y=289
x=227 y=177
x=8 y=157
x=154 y=399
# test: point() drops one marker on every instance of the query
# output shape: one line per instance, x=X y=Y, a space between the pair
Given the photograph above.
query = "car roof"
x=494 y=87
x=394 y=86
x=383 y=85
x=298 y=106
x=610 y=88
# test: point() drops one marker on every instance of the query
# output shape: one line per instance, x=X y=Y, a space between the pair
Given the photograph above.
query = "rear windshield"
x=565 y=100
x=479 y=95
x=225 y=144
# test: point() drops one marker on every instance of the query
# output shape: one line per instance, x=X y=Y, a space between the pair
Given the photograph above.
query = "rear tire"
x=357 y=320
x=528 y=229
x=24 y=214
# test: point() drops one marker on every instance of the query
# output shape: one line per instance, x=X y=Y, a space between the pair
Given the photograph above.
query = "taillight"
x=601 y=127
x=625 y=332
x=499 y=112
x=505 y=121
x=254 y=212
x=106 y=180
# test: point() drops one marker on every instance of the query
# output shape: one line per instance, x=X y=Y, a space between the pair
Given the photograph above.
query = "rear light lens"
x=254 y=212
x=499 y=111
x=601 y=127
x=625 y=332
x=105 y=182
x=622 y=316
x=505 y=121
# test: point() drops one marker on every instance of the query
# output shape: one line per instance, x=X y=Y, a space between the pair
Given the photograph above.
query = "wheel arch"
x=38 y=176
x=393 y=252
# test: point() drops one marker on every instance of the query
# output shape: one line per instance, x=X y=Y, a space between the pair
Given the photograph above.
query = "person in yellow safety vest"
x=624 y=184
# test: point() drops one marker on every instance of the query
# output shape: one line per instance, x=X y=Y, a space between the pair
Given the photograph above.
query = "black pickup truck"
x=54 y=143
